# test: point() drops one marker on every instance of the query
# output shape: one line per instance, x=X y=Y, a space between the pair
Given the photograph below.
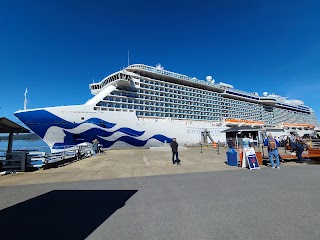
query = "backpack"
x=272 y=144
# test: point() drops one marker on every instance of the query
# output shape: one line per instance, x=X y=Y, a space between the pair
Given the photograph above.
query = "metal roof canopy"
x=7 y=126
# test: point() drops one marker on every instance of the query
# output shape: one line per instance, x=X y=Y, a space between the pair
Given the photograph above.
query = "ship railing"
x=171 y=74
x=243 y=92
x=40 y=156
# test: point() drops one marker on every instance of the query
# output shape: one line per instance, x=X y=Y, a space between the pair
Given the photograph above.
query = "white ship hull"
x=61 y=126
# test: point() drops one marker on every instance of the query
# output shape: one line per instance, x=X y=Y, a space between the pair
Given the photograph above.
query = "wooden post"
x=9 y=149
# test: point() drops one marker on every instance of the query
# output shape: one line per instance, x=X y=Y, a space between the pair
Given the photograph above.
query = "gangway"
x=205 y=134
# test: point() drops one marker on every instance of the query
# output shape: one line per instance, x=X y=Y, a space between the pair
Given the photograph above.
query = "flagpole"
x=25 y=99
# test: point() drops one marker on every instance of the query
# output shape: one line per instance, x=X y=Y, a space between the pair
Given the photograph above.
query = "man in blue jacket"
x=272 y=150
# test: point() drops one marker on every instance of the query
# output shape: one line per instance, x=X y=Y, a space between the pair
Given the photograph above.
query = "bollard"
x=201 y=147
x=218 y=145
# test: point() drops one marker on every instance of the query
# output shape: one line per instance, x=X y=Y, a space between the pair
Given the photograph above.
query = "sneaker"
x=272 y=167
x=278 y=167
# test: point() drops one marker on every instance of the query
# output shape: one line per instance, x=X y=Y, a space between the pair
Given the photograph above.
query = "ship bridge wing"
x=113 y=78
x=108 y=85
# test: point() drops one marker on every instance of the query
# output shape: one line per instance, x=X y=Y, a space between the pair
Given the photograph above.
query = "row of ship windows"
x=165 y=109
x=277 y=111
x=204 y=112
x=159 y=83
x=186 y=91
x=122 y=98
x=182 y=115
x=179 y=116
x=180 y=105
x=247 y=109
x=196 y=99
x=200 y=107
x=153 y=101
x=177 y=95
x=150 y=105
x=242 y=104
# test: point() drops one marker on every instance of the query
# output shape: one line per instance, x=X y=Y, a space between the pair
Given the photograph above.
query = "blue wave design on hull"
x=135 y=142
x=43 y=120
x=40 y=120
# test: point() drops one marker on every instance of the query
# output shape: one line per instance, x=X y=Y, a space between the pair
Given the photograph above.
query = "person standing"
x=245 y=142
x=272 y=150
x=251 y=141
x=230 y=143
x=299 y=149
x=174 y=147
x=95 y=147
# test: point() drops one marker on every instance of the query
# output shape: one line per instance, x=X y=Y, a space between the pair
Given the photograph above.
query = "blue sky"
x=56 y=48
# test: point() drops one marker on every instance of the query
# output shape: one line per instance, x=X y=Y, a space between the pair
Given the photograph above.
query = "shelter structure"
x=7 y=126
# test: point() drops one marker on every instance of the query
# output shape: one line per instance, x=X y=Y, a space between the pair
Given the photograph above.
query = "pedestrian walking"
x=174 y=147
x=272 y=150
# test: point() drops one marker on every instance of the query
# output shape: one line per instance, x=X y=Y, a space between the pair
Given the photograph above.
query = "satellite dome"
x=209 y=78
x=265 y=94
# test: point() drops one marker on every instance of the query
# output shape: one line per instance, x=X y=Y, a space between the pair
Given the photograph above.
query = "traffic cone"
x=214 y=144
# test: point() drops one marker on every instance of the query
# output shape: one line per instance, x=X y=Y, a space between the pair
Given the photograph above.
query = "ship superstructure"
x=154 y=92
x=147 y=106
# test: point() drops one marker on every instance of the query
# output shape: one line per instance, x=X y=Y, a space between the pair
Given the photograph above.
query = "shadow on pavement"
x=61 y=214
x=313 y=161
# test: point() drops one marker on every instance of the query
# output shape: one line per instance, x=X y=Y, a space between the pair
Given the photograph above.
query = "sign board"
x=250 y=159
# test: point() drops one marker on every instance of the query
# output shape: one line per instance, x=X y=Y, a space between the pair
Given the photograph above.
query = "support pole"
x=9 y=149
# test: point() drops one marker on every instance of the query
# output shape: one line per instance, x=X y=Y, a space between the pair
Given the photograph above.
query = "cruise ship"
x=145 y=106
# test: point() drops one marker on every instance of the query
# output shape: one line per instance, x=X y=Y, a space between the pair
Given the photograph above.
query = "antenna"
x=128 y=58
x=25 y=100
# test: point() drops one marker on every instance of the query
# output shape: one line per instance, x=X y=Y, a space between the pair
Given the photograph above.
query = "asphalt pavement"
x=242 y=204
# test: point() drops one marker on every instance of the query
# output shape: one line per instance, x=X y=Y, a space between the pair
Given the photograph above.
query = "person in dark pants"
x=95 y=143
x=299 y=150
x=230 y=143
x=174 y=148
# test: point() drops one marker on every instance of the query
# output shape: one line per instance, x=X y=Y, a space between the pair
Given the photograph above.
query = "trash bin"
x=232 y=159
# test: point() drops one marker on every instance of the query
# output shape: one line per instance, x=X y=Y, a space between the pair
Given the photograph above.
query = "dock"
x=136 y=162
